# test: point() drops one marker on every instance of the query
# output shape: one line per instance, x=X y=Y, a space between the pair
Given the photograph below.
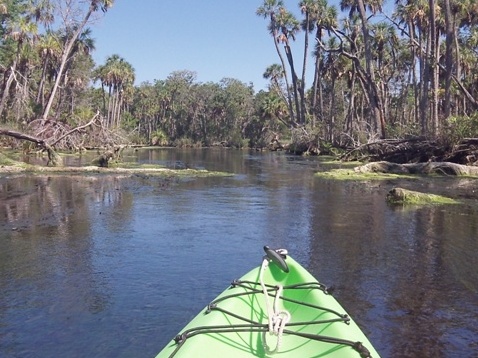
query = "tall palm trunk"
x=376 y=101
x=458 y=76
x=304 y=68
x=434 y=66
x=110 y=106
x=114 y=103
x=413 y=70
x=11 y=77
x=284 y=68
x=424 y=80
x=295 y=84
x=104 y=96
x=6 y=91
x=119 y=109
x=351 y=108
x=40 y=98
x=317 y=102
x=458 y=59
x=318 y=108
x=449 y=25
x=331 y=121
x=64 y=58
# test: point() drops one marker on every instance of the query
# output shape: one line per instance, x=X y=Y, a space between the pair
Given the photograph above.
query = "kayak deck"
x=235 y=324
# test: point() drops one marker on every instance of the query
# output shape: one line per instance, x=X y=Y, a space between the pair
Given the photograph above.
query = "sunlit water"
x=110 y=266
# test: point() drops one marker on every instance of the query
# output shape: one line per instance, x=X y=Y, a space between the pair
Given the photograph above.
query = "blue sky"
x=214 y=38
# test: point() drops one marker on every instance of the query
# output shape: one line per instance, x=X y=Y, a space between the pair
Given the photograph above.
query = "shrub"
x=458 y=128
x=159 y=138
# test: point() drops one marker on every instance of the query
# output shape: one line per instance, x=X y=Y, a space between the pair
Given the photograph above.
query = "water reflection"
x=109 y=265
x=49 y=277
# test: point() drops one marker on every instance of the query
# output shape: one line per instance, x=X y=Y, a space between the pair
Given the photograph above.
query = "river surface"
x=114 y=266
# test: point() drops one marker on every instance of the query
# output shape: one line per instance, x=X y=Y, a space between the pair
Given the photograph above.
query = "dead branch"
x=415 y=150
x=51 y=134
x=77 y=129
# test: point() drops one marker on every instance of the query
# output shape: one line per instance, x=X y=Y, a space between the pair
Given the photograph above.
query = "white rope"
x=277 y=318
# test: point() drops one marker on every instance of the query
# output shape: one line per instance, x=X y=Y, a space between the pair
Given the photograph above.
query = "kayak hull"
x=236 y=323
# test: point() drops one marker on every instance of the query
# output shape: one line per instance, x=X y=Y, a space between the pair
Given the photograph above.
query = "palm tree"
x=19 y=34
x=468 y=64
x=449 y=43
x=433 y=63
x=334 y=68
x=411 y=14
x=49 y=49
x=271 y=9
x=376 y=101
x=325 y=19
x=77 y=69
x=310 y=9
x=275 y=73
x=116 y=74
x=384 y=42
x=73 y=34
x=23 y=32
x=459 y=16
x=289 y=26
x=424 y=18
x=273 y=108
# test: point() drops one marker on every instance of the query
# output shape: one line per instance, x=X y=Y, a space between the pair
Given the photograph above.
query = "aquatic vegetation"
x=405 y=196
x=350 y=174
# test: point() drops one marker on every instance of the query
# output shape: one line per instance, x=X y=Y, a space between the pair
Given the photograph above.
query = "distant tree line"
x=412 y=72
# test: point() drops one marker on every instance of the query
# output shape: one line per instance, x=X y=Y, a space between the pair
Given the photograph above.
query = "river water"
x=114 y=266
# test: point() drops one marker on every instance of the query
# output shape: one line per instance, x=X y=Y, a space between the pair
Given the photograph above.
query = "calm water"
x=109 y=266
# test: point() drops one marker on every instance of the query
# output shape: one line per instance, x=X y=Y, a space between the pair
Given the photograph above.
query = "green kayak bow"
x=277 y=309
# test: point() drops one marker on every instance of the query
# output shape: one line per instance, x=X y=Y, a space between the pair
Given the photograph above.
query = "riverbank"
x=9 y=165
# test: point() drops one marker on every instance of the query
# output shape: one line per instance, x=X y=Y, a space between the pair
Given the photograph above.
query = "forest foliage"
x=410 y=70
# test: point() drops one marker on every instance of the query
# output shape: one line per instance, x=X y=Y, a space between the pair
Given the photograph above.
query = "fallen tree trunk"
x=442 y=168
x=49 y=144
x=53 y=157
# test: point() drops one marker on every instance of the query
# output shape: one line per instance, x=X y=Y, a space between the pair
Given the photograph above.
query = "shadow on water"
x=116 y=266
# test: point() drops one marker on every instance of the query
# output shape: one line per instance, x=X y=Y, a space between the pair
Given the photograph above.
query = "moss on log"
x=351 y=175
x=22 y=168
x=404 y=196
x=440 y=168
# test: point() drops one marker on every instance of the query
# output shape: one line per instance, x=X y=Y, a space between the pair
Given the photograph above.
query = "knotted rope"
x=277 y=318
